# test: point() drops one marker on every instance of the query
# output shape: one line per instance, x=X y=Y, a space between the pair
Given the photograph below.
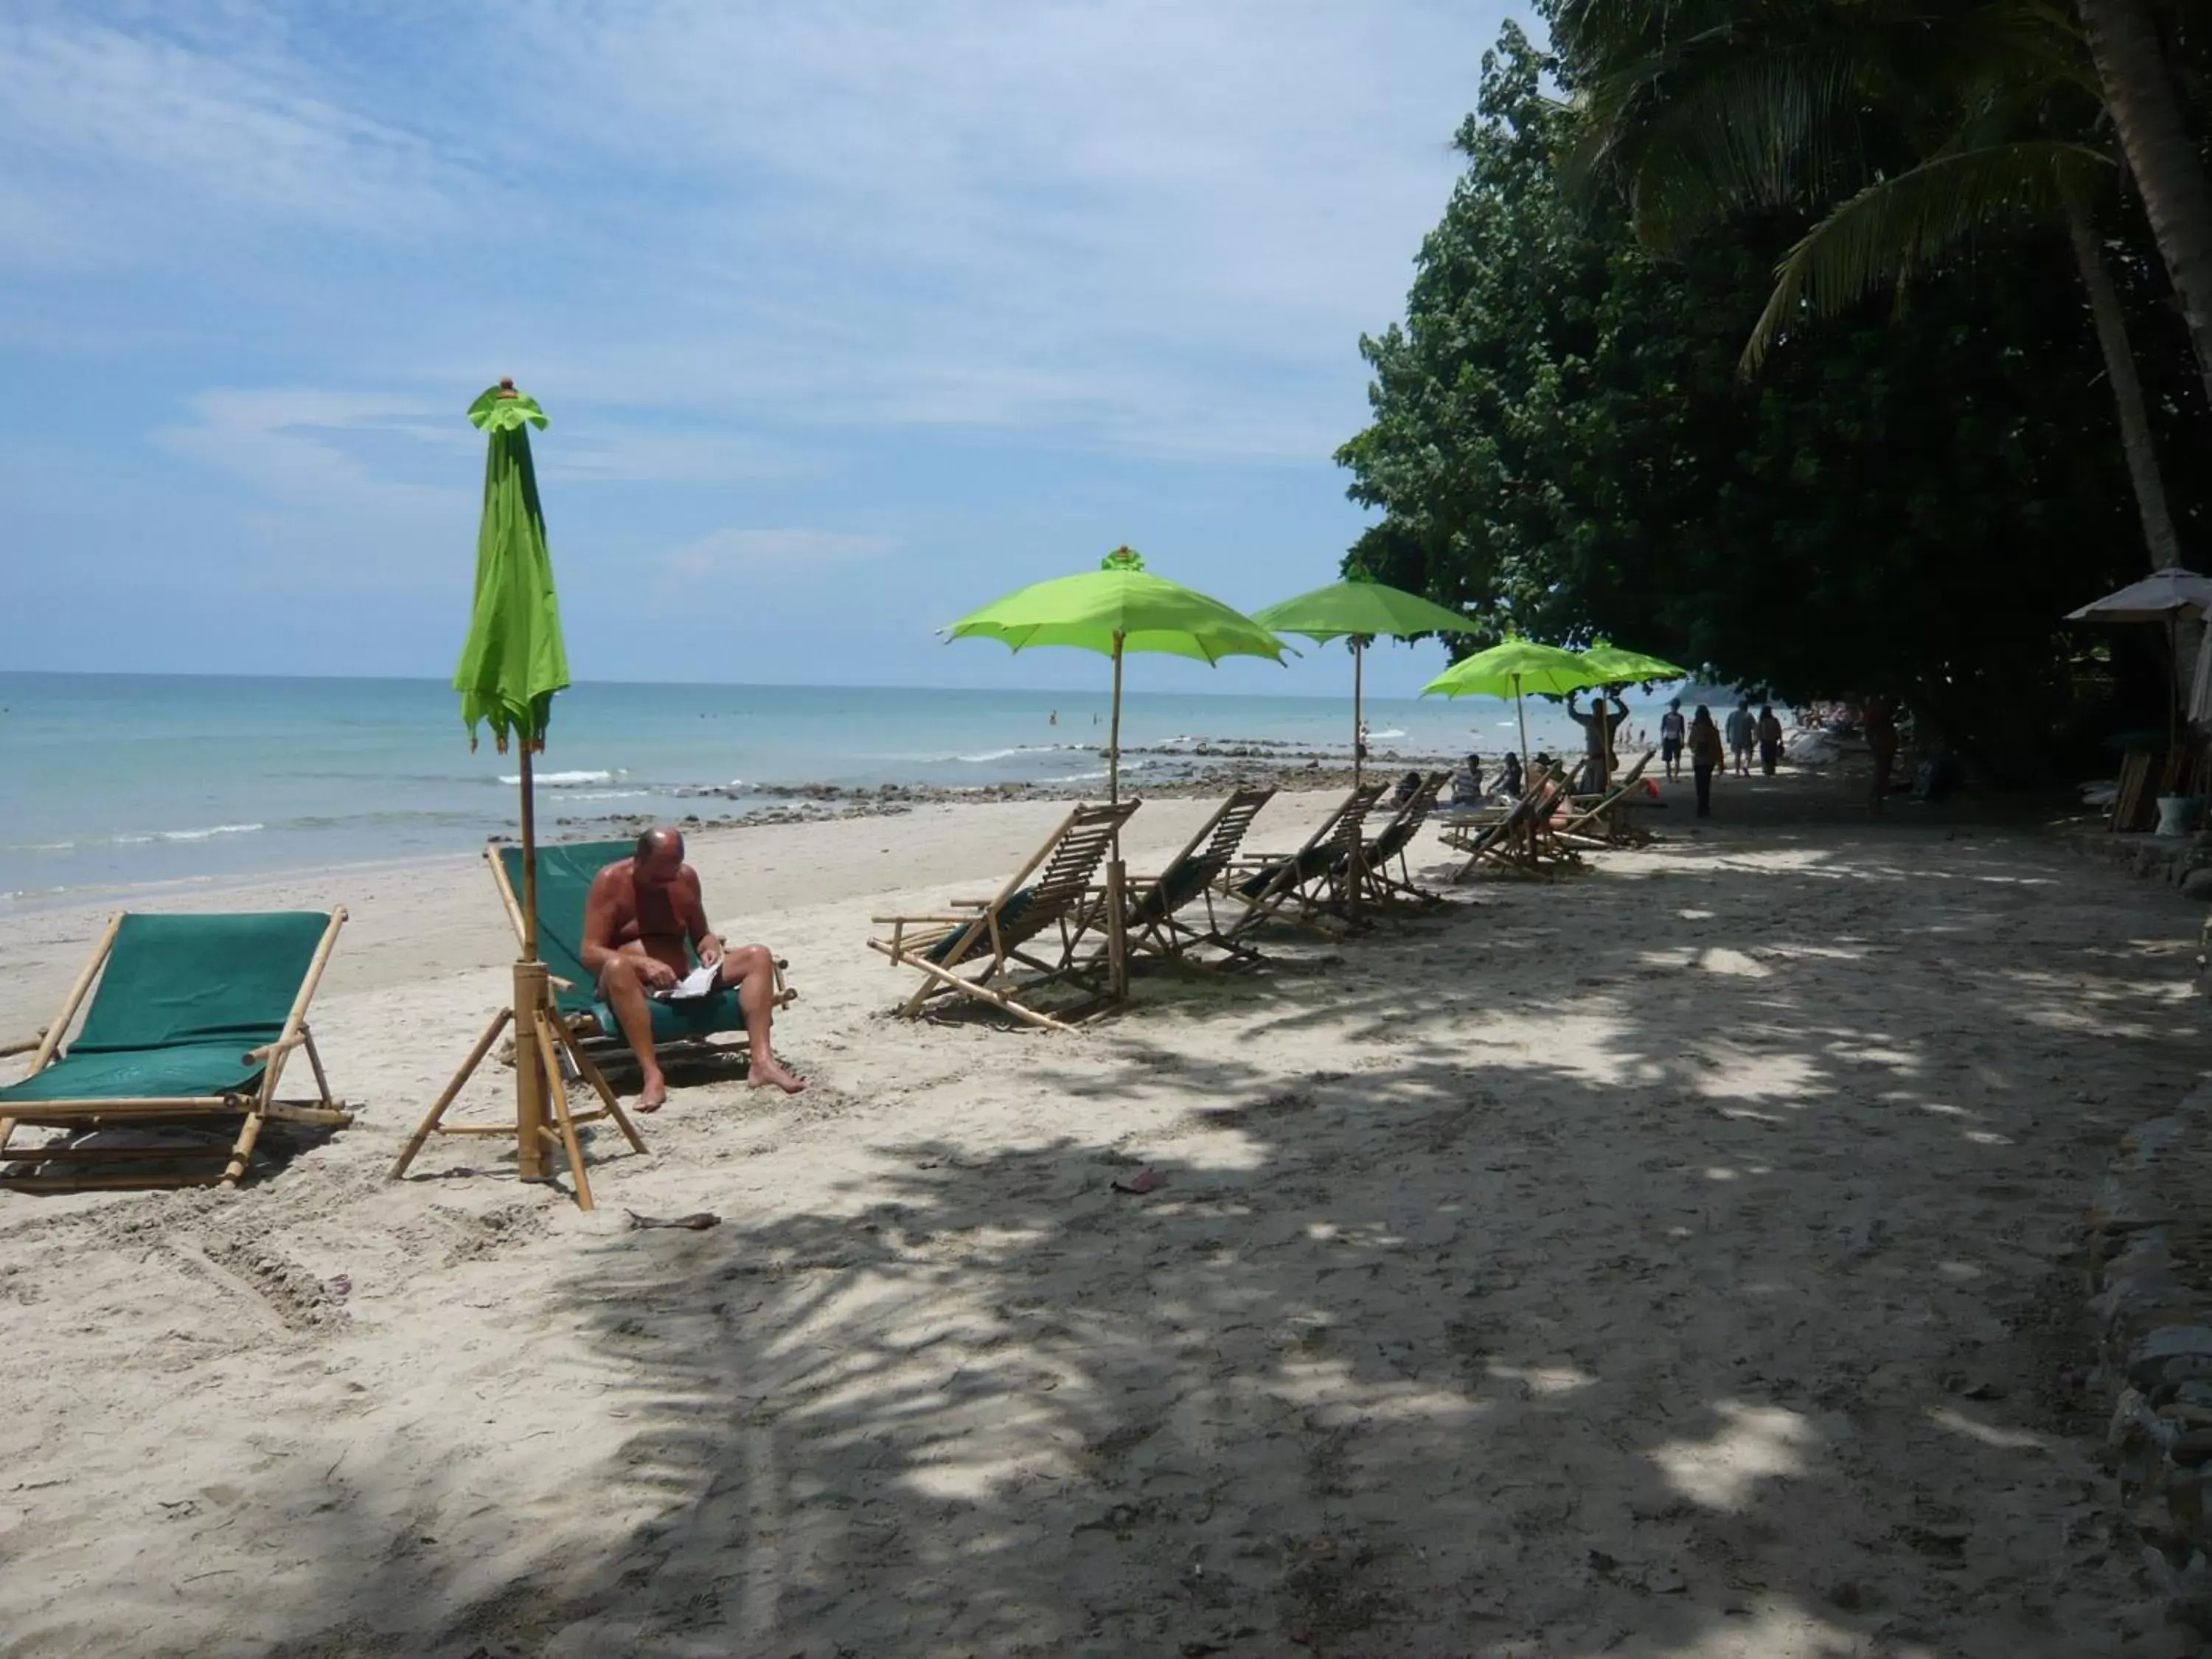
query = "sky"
x=849 y=318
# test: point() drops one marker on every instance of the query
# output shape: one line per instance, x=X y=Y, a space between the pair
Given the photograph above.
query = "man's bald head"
x=659 y=857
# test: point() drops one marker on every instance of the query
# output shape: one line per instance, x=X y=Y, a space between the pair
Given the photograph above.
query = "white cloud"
x=134 y=138
x=1133 y=225
x=753 y=549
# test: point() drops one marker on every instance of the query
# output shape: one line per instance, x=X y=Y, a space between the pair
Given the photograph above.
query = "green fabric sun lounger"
x=194 y=1018
x=565 y=874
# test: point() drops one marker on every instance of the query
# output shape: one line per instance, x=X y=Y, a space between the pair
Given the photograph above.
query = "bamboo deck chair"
x=1153 y=924
x=565 y=873
x=1321 y=879
x=1046 y=905
x=1515 y=844
x=1602 y=821
x=1389 y=849
x=193 y=1021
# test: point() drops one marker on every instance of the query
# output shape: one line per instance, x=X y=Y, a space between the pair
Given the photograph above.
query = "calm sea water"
x=107 y=782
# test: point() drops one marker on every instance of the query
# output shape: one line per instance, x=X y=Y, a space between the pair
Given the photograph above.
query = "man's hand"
x=657 y=975
x=710 y=950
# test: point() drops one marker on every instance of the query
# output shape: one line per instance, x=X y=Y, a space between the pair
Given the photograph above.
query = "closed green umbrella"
x=1116 y=609
x=1360 y=610
x=514 y=660
x=1623 y=667
x=1514 y=668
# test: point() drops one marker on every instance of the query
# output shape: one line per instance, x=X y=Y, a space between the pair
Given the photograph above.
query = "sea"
x=109 y=782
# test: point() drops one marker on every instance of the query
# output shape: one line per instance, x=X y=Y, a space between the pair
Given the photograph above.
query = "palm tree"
x=2139 y=73
x=1951 y=120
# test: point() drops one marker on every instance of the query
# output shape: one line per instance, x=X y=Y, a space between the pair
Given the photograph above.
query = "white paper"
x=699 y=982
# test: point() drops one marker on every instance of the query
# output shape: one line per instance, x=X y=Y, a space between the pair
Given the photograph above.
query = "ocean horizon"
x=114 y=781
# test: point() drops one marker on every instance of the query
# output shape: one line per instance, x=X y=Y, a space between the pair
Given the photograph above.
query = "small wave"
x=609 y=794
x=1376 y=737
x=560 y=780
x=139 y=839
x=990 y=755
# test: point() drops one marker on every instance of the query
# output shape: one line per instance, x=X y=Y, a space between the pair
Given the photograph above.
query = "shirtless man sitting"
x=640 y=914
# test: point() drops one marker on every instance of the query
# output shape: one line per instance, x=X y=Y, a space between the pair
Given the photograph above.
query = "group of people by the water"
x=1707 y=745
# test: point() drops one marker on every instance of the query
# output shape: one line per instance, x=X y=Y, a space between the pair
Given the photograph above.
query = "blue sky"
x=849 y=317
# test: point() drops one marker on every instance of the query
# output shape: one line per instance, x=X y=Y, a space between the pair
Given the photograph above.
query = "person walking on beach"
x=1705 y=756
x=1770 y=738
x=1740 y=731
x=1598 y=728
x=1672 y=730
x=1881 y=741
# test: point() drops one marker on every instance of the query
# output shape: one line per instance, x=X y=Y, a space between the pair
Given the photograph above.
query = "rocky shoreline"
x=1209 y=769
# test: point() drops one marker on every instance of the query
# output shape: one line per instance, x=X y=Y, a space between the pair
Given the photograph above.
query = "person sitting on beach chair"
x=1466 y=786
x=641 y=912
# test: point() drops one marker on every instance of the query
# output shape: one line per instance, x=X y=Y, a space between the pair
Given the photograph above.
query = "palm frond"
x=1895 y=230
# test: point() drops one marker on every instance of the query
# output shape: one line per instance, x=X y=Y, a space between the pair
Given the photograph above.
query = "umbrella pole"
x=2172 y=686
x=1358 y=720
x=532 y=992
x=1521 y=708
x=1117 y=874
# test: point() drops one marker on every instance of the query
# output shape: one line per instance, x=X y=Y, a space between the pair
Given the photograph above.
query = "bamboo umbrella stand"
x=542 y=1039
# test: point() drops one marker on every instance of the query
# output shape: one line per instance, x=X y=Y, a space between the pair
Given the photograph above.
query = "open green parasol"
x=1118 y=608
x=1617 y=666
x=1360 y=610
x=1514 y=668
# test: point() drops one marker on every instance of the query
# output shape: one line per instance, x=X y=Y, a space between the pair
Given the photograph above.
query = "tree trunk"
x=2143 y=95
x=2127 y=389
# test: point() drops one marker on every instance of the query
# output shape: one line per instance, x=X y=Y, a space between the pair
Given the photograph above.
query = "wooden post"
x=1117 y=940
x=1117 y=873
x=1114 y=742
x=532 y=991
x=1358 y=720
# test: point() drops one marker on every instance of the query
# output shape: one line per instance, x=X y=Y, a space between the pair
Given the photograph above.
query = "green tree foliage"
x=1902 y=503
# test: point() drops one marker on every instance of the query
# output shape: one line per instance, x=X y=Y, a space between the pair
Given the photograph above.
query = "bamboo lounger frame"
x=1383 y=889
x=1324 y=876
x=1512 y=842
x=1153 y=927
x=983 y=935
x=258 y=1108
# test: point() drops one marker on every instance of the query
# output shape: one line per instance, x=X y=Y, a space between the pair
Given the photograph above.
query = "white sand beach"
x=1679 y=1259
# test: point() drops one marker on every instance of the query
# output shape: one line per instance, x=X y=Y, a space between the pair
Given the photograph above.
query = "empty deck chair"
x=1321 y=879
x=1602 y=820
x=1388 y=849
x=1039 y=920
x=1155 y=907
x=1517 y=842
x=192 y=1024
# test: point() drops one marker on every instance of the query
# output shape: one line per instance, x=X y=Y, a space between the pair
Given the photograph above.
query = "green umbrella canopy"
x=513 y=661
x=1120 y=607
x=1370 y=610
x=1616 y=666
x=1513 y=668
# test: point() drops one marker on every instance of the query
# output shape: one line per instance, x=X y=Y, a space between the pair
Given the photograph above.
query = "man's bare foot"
x=764 y=1072
x=655 y=1094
